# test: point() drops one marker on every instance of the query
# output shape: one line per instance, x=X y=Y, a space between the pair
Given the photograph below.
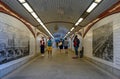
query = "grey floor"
x=59 y=66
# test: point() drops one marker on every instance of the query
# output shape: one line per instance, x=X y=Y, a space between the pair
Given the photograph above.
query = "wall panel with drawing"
x=14 y=39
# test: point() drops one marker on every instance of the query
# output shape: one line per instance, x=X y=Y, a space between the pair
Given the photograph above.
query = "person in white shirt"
x=66 y=45
x=42 y=46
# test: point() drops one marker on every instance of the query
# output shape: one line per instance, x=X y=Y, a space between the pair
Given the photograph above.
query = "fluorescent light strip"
x=65 y=35
x=26 y=5
x=93 y=5
x=47 y=31
x=79 y=21
x=34 y=15
x=21 y=1
x=39 y=20
x=98 y=1
x=72 y=29
x=68 y=32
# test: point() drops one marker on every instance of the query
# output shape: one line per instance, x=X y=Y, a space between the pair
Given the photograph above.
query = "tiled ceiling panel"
x=59 y=10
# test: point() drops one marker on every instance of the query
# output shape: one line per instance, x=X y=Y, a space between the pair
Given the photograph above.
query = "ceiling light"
x=98 y=1
x=39 y=20
x=68 y=32
x=93 y=5
x=21 y=1
x=34 y=15
x=65 y=36
x=41 y=23
x=79 y=21
x=76 y=32
x=47 y=30
x=29 y=9
x=26 y=5
x=72 y=29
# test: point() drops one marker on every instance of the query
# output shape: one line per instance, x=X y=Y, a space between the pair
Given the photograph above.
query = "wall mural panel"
x=14 y=43
x=103 y=42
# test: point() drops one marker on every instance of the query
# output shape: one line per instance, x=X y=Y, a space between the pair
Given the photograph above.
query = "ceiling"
x=59 y=14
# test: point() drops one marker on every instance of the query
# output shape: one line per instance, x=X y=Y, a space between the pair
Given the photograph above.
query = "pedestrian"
x=49 y=47
x=60 y=44
x=76 y=43
x=42 y=46
x=66 y=45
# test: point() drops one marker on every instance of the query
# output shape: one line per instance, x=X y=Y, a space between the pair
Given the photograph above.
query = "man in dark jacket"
x=42 y=46
x=76 y=43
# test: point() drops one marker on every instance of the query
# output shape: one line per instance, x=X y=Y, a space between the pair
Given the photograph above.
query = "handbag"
x=59 y=44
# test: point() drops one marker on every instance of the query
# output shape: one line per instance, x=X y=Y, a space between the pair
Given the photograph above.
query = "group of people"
x=49 y=46
x=62 y=44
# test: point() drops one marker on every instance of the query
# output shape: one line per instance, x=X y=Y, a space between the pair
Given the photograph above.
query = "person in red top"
x=42 y=46
x=76 y=43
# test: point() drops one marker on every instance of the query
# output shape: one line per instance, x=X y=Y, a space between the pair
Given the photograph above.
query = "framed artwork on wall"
x=103 y=42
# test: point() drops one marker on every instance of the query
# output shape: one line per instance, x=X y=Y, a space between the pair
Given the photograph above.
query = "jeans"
x=42 y=49
x=76 y=51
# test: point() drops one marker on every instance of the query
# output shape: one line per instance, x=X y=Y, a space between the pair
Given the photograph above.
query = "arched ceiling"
x=59 y=16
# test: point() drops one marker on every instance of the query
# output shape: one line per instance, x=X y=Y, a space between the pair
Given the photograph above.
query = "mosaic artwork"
x=103 y=42
x=14 y=43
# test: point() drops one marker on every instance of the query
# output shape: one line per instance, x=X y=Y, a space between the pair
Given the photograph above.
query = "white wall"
x=115 y=19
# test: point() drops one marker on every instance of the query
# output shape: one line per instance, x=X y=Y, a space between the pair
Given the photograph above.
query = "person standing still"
x=76 y=43
x=49 y=47
x=60 y=44
x=66 y=45
x=42 y=46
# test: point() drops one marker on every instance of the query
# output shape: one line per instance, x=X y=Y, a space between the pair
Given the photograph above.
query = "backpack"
x=49 y=43
x=76 y=43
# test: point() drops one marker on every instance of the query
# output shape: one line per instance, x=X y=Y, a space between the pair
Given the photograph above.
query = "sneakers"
x=42 y=55
x=74 y=57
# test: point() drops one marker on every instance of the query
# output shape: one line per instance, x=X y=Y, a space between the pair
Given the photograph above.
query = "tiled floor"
x=59 y=66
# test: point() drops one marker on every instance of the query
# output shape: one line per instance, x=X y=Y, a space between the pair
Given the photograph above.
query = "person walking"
x=42 y=46
x=49 y=47
x=76 y=43
x=66 y=45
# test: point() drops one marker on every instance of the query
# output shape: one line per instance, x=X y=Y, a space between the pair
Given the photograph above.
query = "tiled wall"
x=88 y=42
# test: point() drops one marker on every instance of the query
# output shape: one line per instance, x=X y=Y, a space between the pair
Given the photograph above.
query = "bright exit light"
x=93 y=5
